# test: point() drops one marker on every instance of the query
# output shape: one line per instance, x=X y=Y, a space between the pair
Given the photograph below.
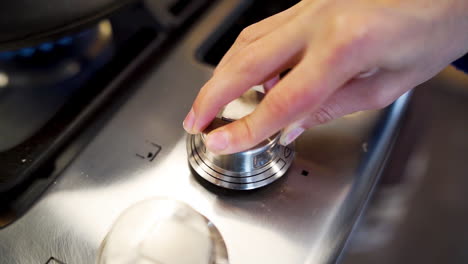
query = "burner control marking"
x=149 y=151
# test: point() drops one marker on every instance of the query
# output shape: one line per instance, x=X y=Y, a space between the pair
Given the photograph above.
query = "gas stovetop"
x=134 y=148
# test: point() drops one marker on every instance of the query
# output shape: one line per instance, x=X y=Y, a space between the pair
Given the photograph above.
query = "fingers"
x=358 y=95
x=305 y=88
x=293 y=131
x=258 y=62
x=268 y=85
x=259 y=30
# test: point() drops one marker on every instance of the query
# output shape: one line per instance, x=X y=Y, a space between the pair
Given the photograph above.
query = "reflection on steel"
x=163 y=222
x=4 y=79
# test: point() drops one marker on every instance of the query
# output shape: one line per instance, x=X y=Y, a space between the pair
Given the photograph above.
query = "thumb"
x=363 y=93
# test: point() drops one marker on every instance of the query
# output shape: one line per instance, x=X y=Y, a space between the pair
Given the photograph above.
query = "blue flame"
x=7 y=55
x=30 y=51
x=46 y=47
x=65 y=41
x=27 y=52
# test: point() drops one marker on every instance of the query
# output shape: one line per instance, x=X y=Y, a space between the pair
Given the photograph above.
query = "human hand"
x=345 y=55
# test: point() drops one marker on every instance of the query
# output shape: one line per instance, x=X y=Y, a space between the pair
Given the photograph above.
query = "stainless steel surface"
x=298 y=219
x=246 y=170
x=162 y=230
x=420 y=209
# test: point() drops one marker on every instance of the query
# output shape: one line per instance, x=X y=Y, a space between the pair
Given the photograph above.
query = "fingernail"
x=368 y=73
x=290 y=136
x=189 y=121
x=217 y=141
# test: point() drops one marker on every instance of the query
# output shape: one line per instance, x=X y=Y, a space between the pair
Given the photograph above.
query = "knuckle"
x=249 y=134
x=247 y=35
x=325 y=114
x=359 y=30
x=353 y=25
x=351 y=33
x=247 y=61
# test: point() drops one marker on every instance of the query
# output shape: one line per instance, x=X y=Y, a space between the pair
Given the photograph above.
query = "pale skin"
x=345 y=55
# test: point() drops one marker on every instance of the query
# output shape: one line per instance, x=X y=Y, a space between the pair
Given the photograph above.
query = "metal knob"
x=163 y=230
x=250 y=169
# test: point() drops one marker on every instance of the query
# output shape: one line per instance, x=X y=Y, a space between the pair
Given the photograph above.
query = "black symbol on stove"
x=304 y=173
x=287 y=152
x=53 y=260
x=148 y=151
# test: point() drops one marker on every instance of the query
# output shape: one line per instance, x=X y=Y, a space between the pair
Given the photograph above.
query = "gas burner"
x=53 y=62
x=51 y=93
x=44 y=77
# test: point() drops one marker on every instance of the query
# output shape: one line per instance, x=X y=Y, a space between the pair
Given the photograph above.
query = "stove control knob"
x=163 y=231
x=250 y=169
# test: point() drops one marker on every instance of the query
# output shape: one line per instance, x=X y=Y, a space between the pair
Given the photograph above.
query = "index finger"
x=255 y=64
x=304 y=89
